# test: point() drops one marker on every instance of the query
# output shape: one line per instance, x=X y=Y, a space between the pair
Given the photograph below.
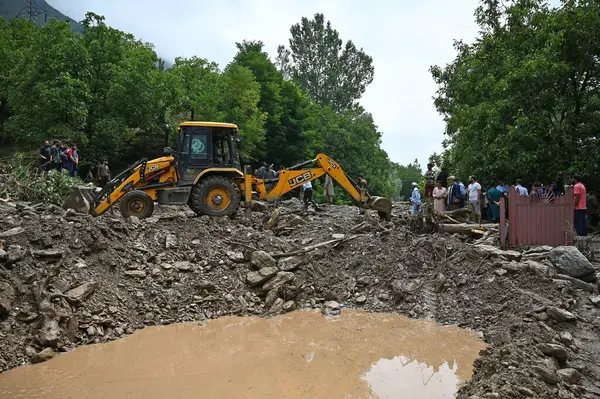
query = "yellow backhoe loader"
x=204 y=172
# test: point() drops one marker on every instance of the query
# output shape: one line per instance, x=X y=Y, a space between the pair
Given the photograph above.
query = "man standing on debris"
x=453 y=194
x=429 y=179
x=522 y=190
x=362 y=183
x=45 y=156
x=439 y=198
x=103 y=173
x=328 y=188
x=308 y=191
x=493 y=196
x=72 y=160
x=55 y=155
x=580 y=202
x=262 y=170
x=593 y=210
x=269 y=174
x=474 y=198
x=443 y=177
x=415 y=199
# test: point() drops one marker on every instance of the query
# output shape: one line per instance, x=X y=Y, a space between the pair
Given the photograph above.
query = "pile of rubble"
x=68 y=279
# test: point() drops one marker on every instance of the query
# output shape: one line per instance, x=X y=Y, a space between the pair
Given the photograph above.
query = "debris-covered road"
x=69 y=280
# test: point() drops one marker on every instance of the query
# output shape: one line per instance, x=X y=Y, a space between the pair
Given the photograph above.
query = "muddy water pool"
x=297 y=355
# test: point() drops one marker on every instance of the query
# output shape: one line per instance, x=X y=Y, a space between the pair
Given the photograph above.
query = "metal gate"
x=541 y=219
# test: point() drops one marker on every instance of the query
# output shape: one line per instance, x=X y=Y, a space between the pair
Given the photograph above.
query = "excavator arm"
x=290 y=179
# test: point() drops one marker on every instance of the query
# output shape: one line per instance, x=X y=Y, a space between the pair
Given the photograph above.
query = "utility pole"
x=31 y=11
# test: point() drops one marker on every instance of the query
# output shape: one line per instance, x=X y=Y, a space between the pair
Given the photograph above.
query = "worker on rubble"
x=474 y=191
x=262 y=170
x=454 y=196
x=580 y=203
x=415 y=199
x=328 y=188
x=103 y=173
x=308 y=191
x=429 y=179
x=45 y=156
x=439 y=197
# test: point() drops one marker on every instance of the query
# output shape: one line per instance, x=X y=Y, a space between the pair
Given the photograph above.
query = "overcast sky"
x=404 y=37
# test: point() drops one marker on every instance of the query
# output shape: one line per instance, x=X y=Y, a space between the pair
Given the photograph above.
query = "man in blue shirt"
x=522 y=190
x=415 y=199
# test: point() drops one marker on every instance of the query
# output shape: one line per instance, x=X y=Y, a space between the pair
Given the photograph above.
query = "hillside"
x=39 y=9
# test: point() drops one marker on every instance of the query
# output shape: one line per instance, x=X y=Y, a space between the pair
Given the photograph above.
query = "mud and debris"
x=69 y=279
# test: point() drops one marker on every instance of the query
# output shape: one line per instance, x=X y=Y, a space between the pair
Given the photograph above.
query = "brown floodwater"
x=297 y=355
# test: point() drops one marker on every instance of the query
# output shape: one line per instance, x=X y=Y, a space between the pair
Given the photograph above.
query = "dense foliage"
x=110 y=93
x=523 y=101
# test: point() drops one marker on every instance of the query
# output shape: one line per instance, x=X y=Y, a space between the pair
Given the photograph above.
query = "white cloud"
x=404 y=38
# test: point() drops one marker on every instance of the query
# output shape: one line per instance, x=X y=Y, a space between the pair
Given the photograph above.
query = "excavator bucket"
x=382 y=205
x=81 y=199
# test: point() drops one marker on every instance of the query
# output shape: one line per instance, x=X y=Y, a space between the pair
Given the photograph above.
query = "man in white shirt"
x=308 y=196
x=522 y=190
x=474 y=191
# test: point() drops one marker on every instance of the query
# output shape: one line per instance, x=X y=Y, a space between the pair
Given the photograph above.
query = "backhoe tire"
x=216 y=196
x=136 y=203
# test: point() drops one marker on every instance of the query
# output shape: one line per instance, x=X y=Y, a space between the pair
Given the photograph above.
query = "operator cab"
x=204 y=145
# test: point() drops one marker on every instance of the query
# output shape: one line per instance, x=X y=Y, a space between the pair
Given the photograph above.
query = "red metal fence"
x=537 y=220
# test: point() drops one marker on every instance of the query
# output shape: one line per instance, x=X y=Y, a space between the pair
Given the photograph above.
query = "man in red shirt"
x=580 y=203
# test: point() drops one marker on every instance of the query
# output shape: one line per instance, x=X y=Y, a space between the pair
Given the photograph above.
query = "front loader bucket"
x=82 y=199
x=382 y=205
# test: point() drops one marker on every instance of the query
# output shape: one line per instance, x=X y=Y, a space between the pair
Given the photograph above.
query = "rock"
x=258 y=206
x=155 y=272
x=221 y=219
x=569 y=375
x=331 y=308
x=595 y=300
x=338 y=236
x=491 y=251
x=44 y=355
x=119 y=331
x=361 y=299
x=363 y=280
x=277 y=306
x=170 y=241
x=278 y=280
x=3 y=255
x=135 y=273
x=166 y=266
x=569 y=261
x=91 y=331
x=15 y=254
x=548 y=375
x=500 y=272
x=12 y=232
x=259 y=277
x=262 y=259
x=559 y=314
x=48 y=253
x=291 y=263
x=525 y=392
x=50 y=333
x=271 y=298
x=296 y=221
x=235 y=256
x=402 y=288
x=183 y=266
x=102 y=244
x=82 y=291
x=7 y=298
x=567 y=338
x=289 y=306
x=554 y=350
x=133 y=220
x=537 y=267
x=492 y=395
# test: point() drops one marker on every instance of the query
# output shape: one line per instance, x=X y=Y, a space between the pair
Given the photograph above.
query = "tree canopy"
x=523 y=101
x=110 y=93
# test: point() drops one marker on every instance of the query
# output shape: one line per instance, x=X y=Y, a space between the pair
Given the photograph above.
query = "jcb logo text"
x=299 y=179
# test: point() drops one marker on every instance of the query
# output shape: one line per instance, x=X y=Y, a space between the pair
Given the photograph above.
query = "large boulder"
x=265 y=273
x=262 y=259
x=569 y=261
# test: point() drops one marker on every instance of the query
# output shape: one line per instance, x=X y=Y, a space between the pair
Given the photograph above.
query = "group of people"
x=57 y=156
x=449 y=193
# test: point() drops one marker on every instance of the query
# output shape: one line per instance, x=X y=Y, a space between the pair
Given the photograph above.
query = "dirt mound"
x=69 y=280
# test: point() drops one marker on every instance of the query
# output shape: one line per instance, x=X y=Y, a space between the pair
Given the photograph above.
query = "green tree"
x=333 y=73
x=523 y=100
